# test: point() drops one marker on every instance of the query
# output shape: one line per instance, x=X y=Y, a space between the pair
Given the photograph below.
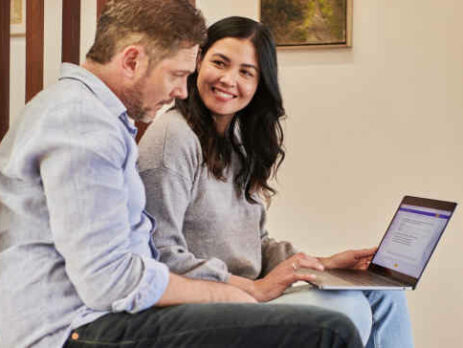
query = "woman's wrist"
x=326 y=262
x=242 y=283
x=259 y=289
x=252 y=287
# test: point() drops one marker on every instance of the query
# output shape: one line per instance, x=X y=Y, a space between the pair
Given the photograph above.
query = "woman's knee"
x=353 y=304
x=357 y=308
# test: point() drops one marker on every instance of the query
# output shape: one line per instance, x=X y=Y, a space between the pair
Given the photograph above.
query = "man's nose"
x=181 y=91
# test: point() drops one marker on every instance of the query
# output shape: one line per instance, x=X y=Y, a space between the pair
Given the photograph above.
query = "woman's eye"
x=247 y=73
x=218 y=63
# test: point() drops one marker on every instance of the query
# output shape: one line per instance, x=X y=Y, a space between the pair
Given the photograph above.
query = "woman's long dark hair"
x=259 y=145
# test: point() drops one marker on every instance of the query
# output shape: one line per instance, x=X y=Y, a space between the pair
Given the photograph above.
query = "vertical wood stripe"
x=99 y=7
x=34 y=47
x=71 y=31
x=4 y=67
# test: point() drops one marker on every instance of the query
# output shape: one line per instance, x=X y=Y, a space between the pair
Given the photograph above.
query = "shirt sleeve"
x=273 y=252
x=83 y=167
x=169 y=165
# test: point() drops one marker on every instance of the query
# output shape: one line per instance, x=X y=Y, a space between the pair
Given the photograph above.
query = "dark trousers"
x=220 y=325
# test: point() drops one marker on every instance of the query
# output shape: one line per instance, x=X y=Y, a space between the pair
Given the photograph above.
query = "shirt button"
x=75 y=336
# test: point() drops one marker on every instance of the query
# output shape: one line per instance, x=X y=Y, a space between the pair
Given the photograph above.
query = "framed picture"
x=309 y=23
x=18 y=17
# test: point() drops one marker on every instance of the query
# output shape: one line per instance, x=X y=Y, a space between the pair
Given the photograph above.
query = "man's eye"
x=179 y=74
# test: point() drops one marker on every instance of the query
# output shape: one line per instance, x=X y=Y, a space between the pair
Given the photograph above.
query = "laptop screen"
x=412 y=235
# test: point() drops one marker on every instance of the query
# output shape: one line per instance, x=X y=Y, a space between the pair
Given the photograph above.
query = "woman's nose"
x=228 y=78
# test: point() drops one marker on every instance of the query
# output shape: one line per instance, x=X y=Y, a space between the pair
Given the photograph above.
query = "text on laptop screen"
x=411 y=238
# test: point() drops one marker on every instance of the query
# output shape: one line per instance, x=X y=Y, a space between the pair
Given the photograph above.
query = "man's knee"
x=321 y=327
x=277 y=325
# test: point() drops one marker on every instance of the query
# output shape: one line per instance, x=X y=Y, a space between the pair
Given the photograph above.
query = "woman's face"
x=228 y=76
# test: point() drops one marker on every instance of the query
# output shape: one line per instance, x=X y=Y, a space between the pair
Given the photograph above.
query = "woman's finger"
x=305 y=276
x=365 y=252
x=310 y=262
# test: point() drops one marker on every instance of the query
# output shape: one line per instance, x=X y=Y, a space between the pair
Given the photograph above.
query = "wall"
x=365 y=126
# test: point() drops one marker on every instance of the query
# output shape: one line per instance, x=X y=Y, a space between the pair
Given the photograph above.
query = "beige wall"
x=366 y=125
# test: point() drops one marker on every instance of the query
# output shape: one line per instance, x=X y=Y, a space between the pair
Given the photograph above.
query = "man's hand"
x=279 y=279
x=183 y=290
x=349 y=259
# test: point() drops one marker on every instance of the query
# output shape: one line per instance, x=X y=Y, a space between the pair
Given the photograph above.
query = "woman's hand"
x=284 y=275
x=280 y=278
x=351 y=259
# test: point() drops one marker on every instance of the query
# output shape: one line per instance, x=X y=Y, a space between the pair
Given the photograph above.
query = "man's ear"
x=134 y=61
x=199 y=60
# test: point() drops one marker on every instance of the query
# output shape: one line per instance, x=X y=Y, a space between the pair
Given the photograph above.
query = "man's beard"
x=132 y=99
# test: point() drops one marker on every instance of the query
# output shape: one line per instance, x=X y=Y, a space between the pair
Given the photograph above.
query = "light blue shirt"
x=75 y=242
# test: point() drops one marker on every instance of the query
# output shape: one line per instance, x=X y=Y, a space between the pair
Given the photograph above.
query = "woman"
x=206 y=166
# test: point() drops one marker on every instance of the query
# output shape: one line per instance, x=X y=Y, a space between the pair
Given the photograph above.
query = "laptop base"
x=340 y=279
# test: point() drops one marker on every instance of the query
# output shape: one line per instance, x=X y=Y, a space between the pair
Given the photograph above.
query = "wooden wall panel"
x=35 y=50
x=99 y=7
x=71 y=31
x=4 y=67
x=34 y=47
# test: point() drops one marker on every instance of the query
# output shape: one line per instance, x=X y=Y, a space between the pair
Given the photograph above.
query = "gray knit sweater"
x=204 y=228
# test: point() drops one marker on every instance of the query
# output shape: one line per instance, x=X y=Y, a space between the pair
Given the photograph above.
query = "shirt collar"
x=101 y=91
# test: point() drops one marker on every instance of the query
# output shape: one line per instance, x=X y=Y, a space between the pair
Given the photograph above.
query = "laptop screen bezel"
x=421 y=202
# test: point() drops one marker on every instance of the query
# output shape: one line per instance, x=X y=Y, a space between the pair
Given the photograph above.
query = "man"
x=77 y=263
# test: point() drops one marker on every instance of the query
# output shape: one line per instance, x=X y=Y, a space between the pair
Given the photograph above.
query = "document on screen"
x=411 y=238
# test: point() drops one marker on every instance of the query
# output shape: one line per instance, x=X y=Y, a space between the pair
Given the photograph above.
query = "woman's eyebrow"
x=244 y=65
x=252 y=66
x=224 y=57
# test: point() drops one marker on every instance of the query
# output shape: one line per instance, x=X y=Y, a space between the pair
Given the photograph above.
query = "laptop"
x=403 y=253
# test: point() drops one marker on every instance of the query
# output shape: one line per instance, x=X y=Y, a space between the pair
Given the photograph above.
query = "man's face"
x=160 y=85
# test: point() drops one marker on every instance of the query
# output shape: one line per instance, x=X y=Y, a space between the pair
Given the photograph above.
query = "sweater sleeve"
x=273 y=252
x=169 y=162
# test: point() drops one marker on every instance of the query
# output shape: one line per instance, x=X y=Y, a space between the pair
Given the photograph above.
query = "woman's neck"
x=222 y=122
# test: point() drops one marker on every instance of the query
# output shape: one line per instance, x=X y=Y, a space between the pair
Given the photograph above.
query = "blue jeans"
x=381 y=317
x=220 y=325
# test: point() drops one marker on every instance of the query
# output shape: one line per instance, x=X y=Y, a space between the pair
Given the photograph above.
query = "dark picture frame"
x=308 y=23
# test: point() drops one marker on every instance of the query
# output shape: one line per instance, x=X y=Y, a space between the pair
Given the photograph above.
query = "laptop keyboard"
x=362 y=277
